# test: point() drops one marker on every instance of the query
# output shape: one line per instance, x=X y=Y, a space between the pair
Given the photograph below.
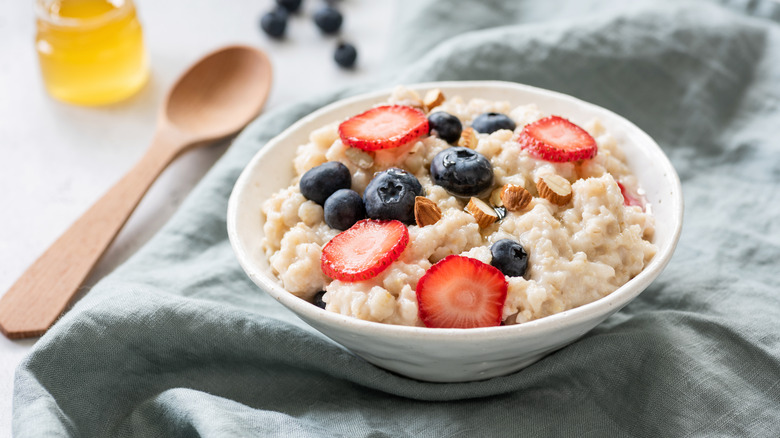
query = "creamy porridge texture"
x=574 y=253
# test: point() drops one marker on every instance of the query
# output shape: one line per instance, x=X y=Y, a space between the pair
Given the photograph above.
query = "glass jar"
x=91 y=52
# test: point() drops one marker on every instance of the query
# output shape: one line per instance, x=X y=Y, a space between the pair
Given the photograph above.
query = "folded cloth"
x=178 y=342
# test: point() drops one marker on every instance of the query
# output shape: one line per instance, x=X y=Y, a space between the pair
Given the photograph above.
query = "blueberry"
x=274 y=23
x=462 y=171
x=281 y=11
x=447 y=126
x=509 y=257
x=390 y=195
x=488 y=123
x=289 y=5
x=328 y=19
x=322 y=181
x=343 y=208
x=345 y=55
x=317 y=300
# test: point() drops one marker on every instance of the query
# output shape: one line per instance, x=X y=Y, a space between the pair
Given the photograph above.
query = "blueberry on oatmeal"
x=317 y=300
x=488 y=123
x=390 y=195
x=343 y=208
x=509 y=257
x=318 y=183
x=462 y=171
x=446 y=126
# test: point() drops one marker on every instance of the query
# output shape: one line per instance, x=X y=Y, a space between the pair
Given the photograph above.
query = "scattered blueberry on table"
x=274 y=23
x=278 y=10
x=488 y=123
x=345 y=55
x=289 y=5
x=328 y=19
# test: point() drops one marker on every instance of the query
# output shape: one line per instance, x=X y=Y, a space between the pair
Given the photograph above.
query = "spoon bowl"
x=209 y=100
x=213 y=99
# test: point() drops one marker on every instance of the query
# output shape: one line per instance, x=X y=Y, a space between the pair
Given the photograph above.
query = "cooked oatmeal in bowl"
x=456 y=231
x=576 y=250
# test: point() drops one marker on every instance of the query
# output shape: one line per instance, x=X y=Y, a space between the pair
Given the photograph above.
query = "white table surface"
x=57 y=159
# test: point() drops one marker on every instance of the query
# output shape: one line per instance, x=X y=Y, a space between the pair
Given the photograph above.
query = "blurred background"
x=57 y=158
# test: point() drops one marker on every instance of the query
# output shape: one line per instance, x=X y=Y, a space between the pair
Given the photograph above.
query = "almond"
x=483 y=213
x=426 y=212
x=495 y=197
x=433 y=98
x=555 y=189
x=359 y=158
x=515 y=198
x=411 y=98
x=468 y=139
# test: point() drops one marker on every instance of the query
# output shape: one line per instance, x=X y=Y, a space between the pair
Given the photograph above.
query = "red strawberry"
x=364 y=250
x=384 y=127
x=556 y=139
x=629 y=199
x=461 y=292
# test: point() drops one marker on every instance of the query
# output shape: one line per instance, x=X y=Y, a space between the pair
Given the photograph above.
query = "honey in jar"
x=91 y=52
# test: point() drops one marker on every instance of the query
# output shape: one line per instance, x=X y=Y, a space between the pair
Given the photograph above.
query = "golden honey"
x=91 y=52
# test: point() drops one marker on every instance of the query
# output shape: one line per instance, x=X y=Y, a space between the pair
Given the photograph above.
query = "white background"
x=56 y=159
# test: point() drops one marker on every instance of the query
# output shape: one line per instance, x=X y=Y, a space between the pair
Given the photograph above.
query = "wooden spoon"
x=215 y=98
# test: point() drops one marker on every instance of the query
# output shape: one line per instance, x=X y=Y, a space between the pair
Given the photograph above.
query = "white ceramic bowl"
x=454 y=355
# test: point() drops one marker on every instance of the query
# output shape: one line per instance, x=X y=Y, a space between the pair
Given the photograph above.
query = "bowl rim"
x=603 y=306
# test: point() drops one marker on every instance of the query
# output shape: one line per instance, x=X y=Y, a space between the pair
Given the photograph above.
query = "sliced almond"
x=515 y=198
x=426 y=212
x=411 y=98
x=495 y=197
x=468 y=139
x=359 y=158
x=483 y=213
x=433 y=98
x=555 y=189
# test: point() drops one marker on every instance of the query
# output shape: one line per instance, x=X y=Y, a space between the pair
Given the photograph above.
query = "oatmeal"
x=402 y=168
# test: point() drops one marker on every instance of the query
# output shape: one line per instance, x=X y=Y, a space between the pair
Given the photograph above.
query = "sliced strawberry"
x=461 y=292
x=384 y=127
x=364 y=250
x=558 y=140
x=629 y=199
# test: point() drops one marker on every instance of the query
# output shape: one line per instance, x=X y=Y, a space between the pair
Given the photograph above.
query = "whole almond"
x=426 y=212
x=555 y=189
x=433 y=98
x=483 y=213
x=468 y=139
x=515 y=198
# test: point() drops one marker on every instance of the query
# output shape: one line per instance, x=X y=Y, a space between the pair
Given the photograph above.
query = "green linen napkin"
x=178 y=342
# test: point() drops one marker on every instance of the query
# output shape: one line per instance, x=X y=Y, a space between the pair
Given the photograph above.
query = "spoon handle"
x=41 y=294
